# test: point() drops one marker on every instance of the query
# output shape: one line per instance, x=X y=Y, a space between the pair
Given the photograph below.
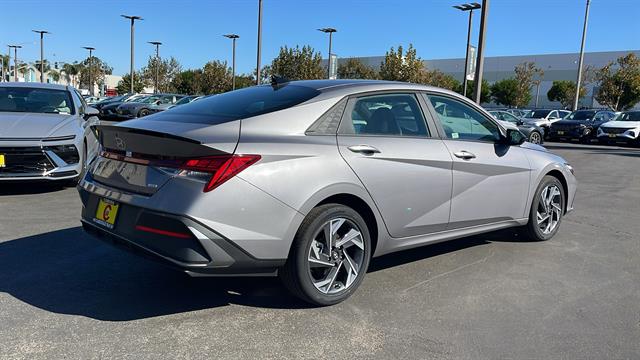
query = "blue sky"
x=192 y=30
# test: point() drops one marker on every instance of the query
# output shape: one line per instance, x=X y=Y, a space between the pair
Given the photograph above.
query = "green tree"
x=298 y=64
x=5 y=63
x=619 y=83
x=216 y=77
x=70 y=72
x=401 y=66
x=485 y=90
x=124 y=85
x=505 y=92
x=96 y=67
x=244 y=80
x=187 y=82
x=353 y=68
x=167 y=71
x=564 y=91
x=438 y=78
x=524 y=75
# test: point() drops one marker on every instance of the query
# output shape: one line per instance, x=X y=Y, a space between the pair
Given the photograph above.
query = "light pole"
x=133 y=20
x=584 y=36
x=157 y=45
x=41 y=32
x=90 y=68
x=329 y=31
x=259 y=42
x=467 y=7
x=15 y=61
x=233 y=37
x=477 y=79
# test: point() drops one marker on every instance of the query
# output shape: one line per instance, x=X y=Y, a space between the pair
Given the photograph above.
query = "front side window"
x=34 y=100
x=461 y=121
x=388 y=114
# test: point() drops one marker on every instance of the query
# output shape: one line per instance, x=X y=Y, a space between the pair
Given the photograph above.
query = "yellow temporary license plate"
x=2 y=163
x=106 y=213
x=612 y=135
x=560 y=132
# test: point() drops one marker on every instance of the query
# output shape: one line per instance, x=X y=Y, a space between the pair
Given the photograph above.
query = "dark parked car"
x=146 y=106
x=108 y=108
x=581 y=125
x=531 y=131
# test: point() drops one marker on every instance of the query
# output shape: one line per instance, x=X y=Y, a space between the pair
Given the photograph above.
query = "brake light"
x=214 y=170
x=221 y=168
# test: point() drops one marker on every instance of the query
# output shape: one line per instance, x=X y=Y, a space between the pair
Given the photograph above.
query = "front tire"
x=143 y=113
x=329 y=256
x=546 y=210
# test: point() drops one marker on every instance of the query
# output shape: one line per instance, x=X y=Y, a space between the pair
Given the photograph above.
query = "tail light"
x=217 y=168
x=213 y=170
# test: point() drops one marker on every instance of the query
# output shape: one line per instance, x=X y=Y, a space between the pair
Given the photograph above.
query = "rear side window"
x=386 y=115
x=239 y=104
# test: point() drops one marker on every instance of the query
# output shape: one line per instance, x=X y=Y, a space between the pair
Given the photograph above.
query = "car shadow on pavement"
x=69 y=272
x=27 y=188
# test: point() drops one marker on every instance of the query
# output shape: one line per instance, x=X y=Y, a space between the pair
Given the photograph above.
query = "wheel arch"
x=362 y=208
x=565 y=187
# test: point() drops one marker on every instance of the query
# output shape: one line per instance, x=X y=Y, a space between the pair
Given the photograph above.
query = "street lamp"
x=133 y=20
x=233 y=37
x=157 y=45
x=259 y=42
x=467 y=7
x=15 y=60
x=329 y=31
x=41 y=32
x=584 y=36
x=90 y=67
x=477 y=79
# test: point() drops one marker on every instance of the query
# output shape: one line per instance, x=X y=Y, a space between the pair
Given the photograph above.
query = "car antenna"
x=278 y=82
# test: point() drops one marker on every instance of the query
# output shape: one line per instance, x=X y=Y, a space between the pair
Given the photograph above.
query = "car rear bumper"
x=178 y=241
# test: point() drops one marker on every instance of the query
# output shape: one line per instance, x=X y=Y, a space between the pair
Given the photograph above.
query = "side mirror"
x=157 y=102
x=513 y=137
x=90 y=111
x=519 y=122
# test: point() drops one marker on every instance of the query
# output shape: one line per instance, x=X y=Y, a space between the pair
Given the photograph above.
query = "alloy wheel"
x=549 y=209
x=535 y=138
x=336 y=255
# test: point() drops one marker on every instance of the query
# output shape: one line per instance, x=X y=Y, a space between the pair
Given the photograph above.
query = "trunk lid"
x=133 y=151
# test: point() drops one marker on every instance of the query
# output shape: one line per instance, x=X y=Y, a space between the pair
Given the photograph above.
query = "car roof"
x=344 y=87
x=36 y=85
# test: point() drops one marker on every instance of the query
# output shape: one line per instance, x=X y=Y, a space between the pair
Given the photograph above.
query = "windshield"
x=240 y=104
x=537 y=114
x=629 y=116
x=185 y=100
x=34 y=100
x=148 y=100
x=581 y=115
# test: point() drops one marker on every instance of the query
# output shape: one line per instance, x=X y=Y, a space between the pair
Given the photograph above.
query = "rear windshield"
x=239 y=104
x=537 y=114
x=34 y=100
x=581 y=115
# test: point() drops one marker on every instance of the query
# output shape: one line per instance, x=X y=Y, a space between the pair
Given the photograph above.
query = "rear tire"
x=547 y=210
x=143 y=113
x=535 y=137
x=326 y=273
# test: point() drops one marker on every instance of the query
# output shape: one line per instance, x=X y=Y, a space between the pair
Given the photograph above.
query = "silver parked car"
x=45 y=132
x=311 y=179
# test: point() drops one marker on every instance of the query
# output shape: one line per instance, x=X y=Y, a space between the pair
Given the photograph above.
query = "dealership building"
x=555 y=66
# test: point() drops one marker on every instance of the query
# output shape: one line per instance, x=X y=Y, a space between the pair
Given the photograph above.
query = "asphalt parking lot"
x=66 y=295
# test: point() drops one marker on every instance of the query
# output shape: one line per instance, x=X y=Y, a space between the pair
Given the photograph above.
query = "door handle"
x=363 y=149
x=463 y=154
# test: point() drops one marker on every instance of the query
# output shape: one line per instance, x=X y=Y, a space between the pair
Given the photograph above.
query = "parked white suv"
x=623 y=128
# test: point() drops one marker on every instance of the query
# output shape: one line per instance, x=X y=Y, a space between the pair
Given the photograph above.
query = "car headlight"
x=68 y=153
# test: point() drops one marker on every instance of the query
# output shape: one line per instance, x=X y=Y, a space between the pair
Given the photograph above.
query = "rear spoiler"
x=126 y=140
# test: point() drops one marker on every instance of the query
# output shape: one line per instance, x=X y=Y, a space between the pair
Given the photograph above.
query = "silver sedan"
x=309 y=180
x=45 y=132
